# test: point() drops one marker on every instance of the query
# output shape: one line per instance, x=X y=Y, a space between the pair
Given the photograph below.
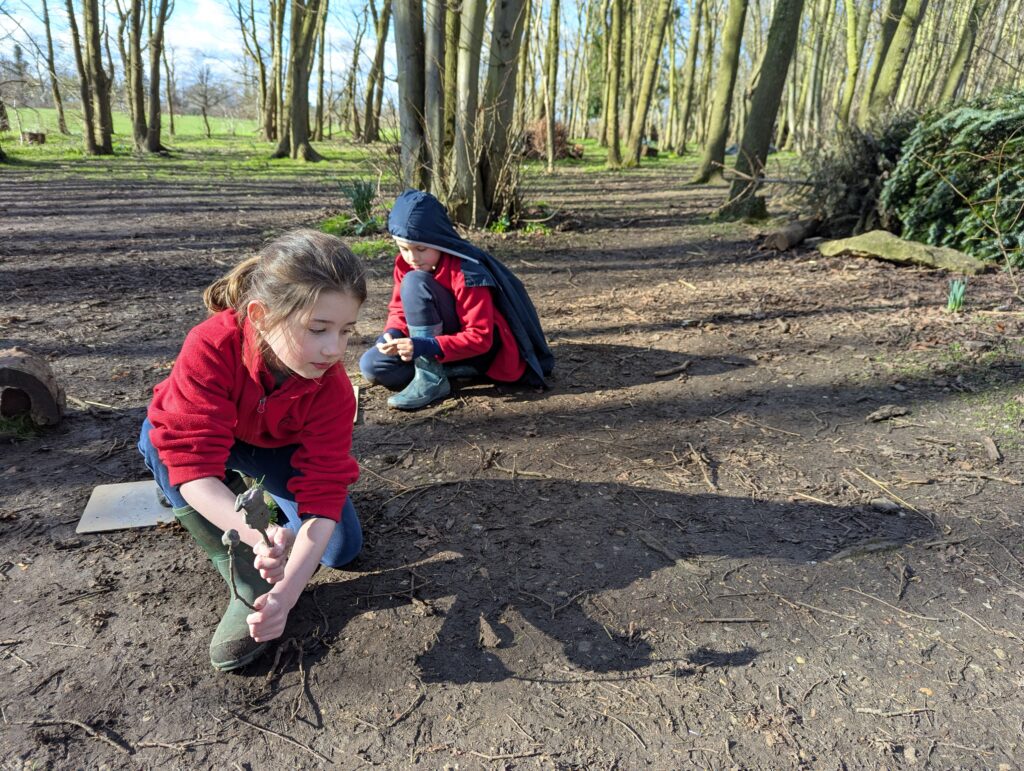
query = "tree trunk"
x=465 y=191
x=718 y=128
x=137 y=91
x=156 y=47
x=890 y=21
x=497 y=181
x=689 y=72
x=304 y=19
x=764 y=107
x=452 y=32
x=957 y=73
x=253 y=49
x=638 y=129
x=627 y=95
x=551 y=80
x=856 y=37
x=169 y=89
x=614 y=160
x=433 y=94
x=275 y=120
x=371 y=115
x=409 y=45
x=51 y=68
x=321 y=46
x=99 y=81
x=352 y=112
x=891 y=71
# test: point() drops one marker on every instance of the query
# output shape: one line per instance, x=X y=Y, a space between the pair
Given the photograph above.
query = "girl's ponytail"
x=231 y=290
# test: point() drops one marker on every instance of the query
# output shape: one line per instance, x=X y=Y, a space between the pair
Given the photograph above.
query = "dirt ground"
x=722 y=565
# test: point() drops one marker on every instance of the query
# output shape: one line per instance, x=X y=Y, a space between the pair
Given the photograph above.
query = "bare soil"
x=637 y=568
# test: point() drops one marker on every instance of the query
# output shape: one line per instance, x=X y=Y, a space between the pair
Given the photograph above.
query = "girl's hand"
x=270 y=561
x=267 y=623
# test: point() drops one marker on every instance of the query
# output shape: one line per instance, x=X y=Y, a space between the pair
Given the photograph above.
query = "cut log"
x=33 y=138
x=28 y=387
x=883 y=245
x=790 y=235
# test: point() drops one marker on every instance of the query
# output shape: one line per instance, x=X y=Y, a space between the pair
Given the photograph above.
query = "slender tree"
x=321 y=46
x=409 y=44
x=764 y=107
x=375 y=78
x=614 y=160
x=157 y=19
x=466 y=151
x=689 y=72
x=302 y=26
x=170 y=88
x=856 y=36
x=551 y=80
x=99 y=81
x=452 y=32
x=891 y=70
x=662 y=14
x=890 y=21
x=496 y=163
x=718 y=128
x=245 y=15
x=433 y=93
x=957 y=72
x=51 y=67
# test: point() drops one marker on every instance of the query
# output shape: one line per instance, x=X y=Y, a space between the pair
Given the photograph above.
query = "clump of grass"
x=373 y=248
x=18 y=428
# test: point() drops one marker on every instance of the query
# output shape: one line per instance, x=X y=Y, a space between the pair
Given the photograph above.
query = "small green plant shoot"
x=955 y=298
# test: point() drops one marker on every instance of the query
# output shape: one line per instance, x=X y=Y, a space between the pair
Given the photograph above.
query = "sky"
x=198 y=32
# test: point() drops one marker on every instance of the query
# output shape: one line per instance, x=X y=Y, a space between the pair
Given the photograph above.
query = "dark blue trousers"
x=274 y=467
x=426 y=303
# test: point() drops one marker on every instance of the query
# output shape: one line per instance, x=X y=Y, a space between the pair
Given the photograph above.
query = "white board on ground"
x=123 y=506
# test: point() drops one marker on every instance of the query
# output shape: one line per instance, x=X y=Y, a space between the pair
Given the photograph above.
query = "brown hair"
x=289 y=275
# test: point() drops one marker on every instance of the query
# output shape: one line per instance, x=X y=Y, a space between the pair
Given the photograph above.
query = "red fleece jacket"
x=477 y=314
x=220 y=390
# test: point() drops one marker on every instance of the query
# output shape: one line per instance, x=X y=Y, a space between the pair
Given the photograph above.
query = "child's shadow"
x=530 y=577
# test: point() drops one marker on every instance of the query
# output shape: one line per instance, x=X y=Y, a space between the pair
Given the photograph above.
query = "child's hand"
x=401 y=347
x=267 y=623
x=270 y=561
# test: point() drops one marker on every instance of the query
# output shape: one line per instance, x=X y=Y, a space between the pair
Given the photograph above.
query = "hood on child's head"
x=420 y=218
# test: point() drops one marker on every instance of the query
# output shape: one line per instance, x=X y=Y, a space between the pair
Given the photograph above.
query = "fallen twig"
x=674 y=370
x=896 y=713
x=279 y=735
x=890 y=605
x=118 y=744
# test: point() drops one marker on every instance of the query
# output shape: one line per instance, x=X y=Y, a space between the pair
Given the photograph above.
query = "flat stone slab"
x=123 y=506
x=883 y=245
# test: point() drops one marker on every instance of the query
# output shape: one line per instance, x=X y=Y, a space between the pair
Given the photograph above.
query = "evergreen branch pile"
x=959 y=181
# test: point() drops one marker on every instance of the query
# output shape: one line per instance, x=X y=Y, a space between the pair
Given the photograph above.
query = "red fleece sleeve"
x=475 y=307
x=396 y=314
x=193 y=413
x=324 y=456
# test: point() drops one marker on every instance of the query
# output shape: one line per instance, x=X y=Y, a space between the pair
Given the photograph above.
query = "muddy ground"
x=647 y=566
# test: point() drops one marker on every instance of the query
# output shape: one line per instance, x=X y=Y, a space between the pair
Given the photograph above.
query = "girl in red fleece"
x=259 y=388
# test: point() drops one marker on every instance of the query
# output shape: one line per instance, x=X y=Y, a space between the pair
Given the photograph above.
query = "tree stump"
x=33 y=138
x=28 y=387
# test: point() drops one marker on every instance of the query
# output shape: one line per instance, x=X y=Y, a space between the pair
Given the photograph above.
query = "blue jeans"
x=273 y=466
x=425 y=303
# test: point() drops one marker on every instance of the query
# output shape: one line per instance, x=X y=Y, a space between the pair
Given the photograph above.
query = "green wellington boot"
x=429 y=383
x=231 y=646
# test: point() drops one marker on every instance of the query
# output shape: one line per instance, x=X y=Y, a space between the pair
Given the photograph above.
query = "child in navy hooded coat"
x=455 y=311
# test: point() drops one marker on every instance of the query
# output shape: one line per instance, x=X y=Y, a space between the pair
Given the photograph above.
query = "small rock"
x=1000 y=654
x=884 y=505
x=488 y=637
x=885 y=412
x=910 y=755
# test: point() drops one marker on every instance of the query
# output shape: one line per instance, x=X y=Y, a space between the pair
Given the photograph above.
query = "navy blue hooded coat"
x=420 y=218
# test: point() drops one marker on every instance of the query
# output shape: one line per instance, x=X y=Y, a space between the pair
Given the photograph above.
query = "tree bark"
x=689 y=72
x=856 y=37
x=764 y=107
x=158 y=18
x=136 y=90
x=614 y=159
x=433 y=94
x=452 y=31
x=718 y=128
x=891 y=71
x=99 y=81
x=551 y=80
x=638 y=129
x=465 y=191
x=409 y=44
x=169 y=89
x=957 y=73
x=497 y=182
x=305 y=16
x=275 y=120
x=51 y=67
x=321 y=47
x=371 y=115
x=890 y=21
